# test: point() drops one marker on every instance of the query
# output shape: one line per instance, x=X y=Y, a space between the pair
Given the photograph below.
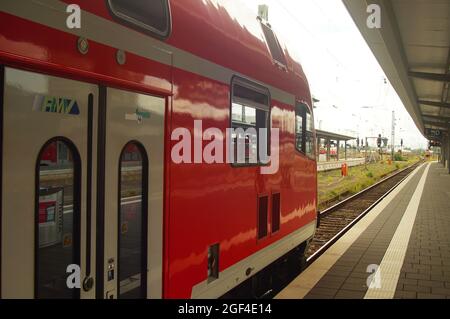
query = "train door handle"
x=88 y=283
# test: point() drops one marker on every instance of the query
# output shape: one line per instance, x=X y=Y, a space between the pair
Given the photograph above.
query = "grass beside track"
x=332 y=187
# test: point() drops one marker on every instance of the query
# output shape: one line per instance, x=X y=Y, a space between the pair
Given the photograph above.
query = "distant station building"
x=329 y=145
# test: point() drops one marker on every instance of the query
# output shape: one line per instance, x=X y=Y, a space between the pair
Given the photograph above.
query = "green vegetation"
x=399 y=158
x=332 y=187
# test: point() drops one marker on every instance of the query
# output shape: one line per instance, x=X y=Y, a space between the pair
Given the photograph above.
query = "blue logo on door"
x=54 y=104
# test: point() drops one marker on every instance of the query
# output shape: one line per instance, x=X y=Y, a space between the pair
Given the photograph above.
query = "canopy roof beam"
x=430 y=76
x=434 y=103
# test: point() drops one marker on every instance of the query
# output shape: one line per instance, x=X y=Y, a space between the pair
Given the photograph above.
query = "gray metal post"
x=443 y=150
x=365 y=155
x=345 y=145
x=328 y=149
x=317 y=148
x=337 y=149
x=448 y=149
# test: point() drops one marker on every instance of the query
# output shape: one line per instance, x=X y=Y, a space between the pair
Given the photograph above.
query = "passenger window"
x=249 y=114
x=132 y=245
x=57 y=218
x=150 y=16
x=299 y=120
x=274 y=45
x=304 y=130
x=310 y=149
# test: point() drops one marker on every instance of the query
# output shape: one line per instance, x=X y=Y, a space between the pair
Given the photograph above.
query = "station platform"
x=399 y=250
x=330 y=165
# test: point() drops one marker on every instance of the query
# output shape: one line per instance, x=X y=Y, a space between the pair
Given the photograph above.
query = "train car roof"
x=220 y=35
x=226 y=33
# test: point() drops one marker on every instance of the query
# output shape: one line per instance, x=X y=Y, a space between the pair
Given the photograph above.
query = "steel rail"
x=333 y=208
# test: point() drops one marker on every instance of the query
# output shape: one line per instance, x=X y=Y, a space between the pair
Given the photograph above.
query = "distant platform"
x=400 y=249
x=328 y=166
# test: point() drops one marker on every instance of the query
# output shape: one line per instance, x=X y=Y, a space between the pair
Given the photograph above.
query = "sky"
x=355 y=96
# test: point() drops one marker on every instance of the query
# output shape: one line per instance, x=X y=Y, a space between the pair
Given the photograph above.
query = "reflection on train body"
x=132 y=239
x=56 y=221
x=57 y=229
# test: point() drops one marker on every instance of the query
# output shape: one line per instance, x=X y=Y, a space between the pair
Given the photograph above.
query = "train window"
x=132 y=256
x=304 y=128
x=273 y=44
x=149 y=16
x=299 y=132
x=57 y=218
x=249 y=114
x=309 y=138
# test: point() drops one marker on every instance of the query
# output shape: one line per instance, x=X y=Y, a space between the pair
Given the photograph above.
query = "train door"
x=47 y=215
x=133 y=212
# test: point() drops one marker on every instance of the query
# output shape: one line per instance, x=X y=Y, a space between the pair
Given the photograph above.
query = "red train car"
x=113 y=82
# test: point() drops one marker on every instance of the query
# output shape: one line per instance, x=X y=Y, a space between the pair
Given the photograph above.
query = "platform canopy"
x=328 y=137
x=333 y=136
x=412 y=47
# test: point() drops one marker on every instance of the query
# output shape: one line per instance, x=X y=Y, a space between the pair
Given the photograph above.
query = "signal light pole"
x=393 y=136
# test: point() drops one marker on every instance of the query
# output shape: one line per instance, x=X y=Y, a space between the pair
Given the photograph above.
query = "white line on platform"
x=391 y=265
x=301 y=285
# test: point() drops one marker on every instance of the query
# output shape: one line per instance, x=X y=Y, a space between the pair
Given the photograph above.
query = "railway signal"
x=379 y=140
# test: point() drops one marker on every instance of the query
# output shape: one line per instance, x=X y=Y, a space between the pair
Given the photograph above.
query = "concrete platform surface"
x=400 y=249
x=327 y=166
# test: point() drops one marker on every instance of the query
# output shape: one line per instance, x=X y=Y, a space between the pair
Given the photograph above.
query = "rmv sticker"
x=53 y=104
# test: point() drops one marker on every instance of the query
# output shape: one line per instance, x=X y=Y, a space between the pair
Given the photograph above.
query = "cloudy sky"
x=355 y=97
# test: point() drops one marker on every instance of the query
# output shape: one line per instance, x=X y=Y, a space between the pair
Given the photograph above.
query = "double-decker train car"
x=101 y=193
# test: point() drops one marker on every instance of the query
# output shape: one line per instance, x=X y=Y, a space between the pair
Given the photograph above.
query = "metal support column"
x=443 y=151
x=328 y=149
x=448 y=149
x=338 y=142
x=345 y=145
x=317 y=149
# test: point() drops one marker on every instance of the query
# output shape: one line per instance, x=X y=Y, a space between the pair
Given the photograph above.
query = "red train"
x=109 y=82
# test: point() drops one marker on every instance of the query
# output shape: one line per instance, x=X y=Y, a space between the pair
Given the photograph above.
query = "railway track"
x=336 y=220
